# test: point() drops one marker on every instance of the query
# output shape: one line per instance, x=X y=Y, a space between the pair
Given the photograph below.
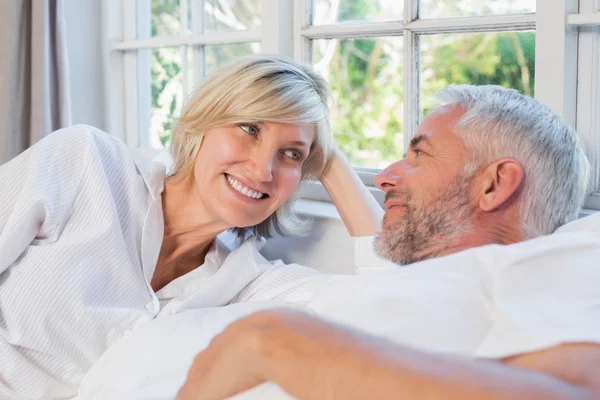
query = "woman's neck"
x=189 y=231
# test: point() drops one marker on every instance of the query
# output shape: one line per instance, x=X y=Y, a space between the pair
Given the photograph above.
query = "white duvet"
x=492 y=301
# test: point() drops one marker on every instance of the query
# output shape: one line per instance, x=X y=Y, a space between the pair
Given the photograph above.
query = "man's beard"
x=427 y=231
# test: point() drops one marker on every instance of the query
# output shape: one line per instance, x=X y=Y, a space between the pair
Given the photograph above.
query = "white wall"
x=84 y=46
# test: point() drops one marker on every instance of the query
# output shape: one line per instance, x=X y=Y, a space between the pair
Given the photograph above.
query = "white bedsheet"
x=491 y=302
x=151 y=362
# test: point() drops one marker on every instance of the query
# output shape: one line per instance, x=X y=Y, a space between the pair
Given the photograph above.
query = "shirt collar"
x=153 y=174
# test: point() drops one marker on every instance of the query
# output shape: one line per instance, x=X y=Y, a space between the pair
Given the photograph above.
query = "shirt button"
x=150 y=306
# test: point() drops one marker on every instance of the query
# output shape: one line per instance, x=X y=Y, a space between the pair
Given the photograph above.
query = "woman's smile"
x=243 y=191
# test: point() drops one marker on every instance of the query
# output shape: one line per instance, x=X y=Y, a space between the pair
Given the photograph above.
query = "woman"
x=94 y=243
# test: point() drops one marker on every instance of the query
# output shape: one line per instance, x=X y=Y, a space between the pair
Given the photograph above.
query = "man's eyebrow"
x=415 y=141
x=418 y=139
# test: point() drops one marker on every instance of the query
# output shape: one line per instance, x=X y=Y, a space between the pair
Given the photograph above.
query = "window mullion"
x=302 y=18
x=113 y=68
x=277 y=27
x=131 y=17
x=198 y=28
x=183 y=20
x=556 y=58
x=411 y=73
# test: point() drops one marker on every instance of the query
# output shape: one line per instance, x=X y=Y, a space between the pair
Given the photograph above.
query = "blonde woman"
x=94 y=243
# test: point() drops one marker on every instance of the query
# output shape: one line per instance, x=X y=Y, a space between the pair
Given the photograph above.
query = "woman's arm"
x=359 y=210
x=38 y=188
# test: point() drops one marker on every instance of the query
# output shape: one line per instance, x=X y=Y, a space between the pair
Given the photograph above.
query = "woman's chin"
x=243 y=223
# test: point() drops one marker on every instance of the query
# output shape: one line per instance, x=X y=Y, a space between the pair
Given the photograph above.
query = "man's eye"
x=417 y=152
x=250 y=129
x=294 y=155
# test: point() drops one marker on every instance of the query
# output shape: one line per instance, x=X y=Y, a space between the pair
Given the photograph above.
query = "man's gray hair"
x=500 y=122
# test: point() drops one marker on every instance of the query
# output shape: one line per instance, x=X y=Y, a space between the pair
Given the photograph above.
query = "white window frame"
x=587 y=25
x=567 y=61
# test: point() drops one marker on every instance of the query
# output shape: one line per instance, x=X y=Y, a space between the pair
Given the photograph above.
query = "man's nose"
x=260 y=166
x=390 y=178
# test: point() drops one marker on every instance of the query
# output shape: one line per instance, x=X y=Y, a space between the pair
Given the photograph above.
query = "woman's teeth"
x=243 y=189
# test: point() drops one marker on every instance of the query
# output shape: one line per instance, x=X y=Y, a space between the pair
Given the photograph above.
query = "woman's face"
x=243 y=173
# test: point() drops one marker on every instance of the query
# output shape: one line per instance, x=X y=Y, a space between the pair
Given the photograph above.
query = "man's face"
x=428 y=206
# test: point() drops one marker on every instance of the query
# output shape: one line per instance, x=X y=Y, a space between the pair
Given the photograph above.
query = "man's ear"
x=500 y=181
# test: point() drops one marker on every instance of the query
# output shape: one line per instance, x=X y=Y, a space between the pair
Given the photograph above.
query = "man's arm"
x=311 y=359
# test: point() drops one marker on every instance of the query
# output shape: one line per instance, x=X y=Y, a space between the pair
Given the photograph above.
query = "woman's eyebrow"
x=300 y=143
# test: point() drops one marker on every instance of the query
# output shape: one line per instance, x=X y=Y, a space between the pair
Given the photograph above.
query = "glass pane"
x=366 y=76
x=166 y=93
x=472 y=8
x=216 y=55
x=165 y=18
x=327 y=12
x=232 y=15
x=504 y=58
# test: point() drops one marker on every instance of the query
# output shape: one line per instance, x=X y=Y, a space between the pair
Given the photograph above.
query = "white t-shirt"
x=81 y=227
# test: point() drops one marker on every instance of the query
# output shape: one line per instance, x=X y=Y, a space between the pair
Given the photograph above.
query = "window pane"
x=366 y=77
x=327 y=12
x=504 y=58
x=471 y=8
x=165 y=18
x=166 y=93
x=232 y=15
x=216 y=55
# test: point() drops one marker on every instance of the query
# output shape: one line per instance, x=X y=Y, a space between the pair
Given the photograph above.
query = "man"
x=490 y=167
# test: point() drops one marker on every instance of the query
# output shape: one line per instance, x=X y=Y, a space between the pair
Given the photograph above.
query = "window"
x=384 y=59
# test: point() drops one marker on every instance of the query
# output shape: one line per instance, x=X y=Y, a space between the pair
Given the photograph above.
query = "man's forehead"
x=439 y=124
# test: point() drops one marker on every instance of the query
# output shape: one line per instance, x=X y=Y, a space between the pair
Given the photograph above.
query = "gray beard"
x=427 y=231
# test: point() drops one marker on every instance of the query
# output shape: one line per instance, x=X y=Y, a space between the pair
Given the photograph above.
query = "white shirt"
x=81 y=227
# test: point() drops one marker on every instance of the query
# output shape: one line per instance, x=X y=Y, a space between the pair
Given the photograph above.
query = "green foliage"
x=506 y=59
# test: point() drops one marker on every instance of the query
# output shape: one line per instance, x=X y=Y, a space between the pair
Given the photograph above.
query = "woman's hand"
x=359 y=210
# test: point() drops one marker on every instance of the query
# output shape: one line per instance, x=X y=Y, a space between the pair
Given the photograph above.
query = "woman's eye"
x=293 y=154
x=250 y=129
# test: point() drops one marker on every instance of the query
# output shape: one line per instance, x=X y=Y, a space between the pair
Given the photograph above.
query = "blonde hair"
x=255 y=89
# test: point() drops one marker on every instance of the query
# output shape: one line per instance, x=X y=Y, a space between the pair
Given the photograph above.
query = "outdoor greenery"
x=366 y=74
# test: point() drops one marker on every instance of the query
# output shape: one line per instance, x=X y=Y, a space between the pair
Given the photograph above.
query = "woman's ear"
x=500 y=181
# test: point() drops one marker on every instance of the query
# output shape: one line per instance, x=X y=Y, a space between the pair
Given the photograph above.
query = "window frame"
x=567 y=60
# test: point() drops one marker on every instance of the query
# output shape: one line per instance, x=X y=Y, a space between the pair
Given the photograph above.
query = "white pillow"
x=590 y=223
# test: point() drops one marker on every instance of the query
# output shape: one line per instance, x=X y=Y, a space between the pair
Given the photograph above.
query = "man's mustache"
x=397 y=195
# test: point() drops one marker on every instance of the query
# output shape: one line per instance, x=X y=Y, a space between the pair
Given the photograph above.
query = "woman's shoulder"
x=70 y=140
x=85 y=153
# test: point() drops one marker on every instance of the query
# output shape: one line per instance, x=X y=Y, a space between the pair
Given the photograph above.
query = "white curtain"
x=34 y=78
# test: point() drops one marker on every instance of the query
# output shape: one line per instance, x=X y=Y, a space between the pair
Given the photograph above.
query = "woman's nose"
x=389 y=178
x=261 y=167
